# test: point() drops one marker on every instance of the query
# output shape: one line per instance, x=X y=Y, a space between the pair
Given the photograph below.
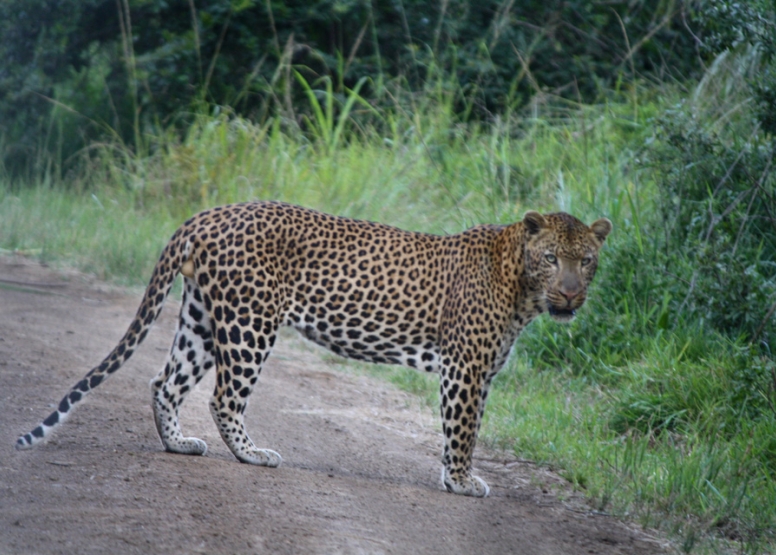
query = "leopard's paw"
x=186 y=446
x=259 y=457
x=473 y=486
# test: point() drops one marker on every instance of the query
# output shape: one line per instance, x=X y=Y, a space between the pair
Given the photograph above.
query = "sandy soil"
x=360 y=470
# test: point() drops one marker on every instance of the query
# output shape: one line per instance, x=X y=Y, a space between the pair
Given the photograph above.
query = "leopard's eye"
x=551 y=258
x=587 y=260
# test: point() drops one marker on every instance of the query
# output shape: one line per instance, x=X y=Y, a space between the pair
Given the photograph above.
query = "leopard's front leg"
x=463 y=392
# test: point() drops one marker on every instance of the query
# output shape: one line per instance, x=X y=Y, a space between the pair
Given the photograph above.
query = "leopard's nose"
x=570 y=295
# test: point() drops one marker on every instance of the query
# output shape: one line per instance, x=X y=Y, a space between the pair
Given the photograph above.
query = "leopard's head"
x=561 y=257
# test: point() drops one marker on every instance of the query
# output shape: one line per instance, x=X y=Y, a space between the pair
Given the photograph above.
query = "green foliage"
x=702 y=252
x=717 y=397
x=78 y=71
x=105 y=236
x=718 y=206
x=661 y=443
x=713 y=164
x=43 y=55
x=730 y=25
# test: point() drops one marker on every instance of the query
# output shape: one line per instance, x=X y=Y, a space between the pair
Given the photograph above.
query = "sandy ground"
x=360 y=470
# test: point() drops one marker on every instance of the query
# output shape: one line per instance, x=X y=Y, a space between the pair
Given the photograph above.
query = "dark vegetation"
x=186 y=55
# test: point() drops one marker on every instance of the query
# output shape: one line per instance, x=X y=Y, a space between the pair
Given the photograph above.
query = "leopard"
x=452 y=305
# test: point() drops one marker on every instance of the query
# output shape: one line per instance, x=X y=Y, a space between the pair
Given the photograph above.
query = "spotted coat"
x=452 y=305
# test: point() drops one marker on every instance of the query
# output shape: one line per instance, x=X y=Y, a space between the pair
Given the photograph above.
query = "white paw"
x=187 y=446
x=259 y=457
x=473 y=486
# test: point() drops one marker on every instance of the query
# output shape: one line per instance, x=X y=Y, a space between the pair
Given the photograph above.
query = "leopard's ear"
x=601 y=229
x=534 y=222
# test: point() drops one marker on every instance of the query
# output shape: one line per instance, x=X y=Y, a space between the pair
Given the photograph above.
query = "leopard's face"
x=561 y=258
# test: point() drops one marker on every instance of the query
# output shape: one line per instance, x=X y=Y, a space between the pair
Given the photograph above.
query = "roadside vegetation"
x=659 y=401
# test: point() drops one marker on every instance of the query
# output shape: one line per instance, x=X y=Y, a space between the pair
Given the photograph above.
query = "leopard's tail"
x=173 y=260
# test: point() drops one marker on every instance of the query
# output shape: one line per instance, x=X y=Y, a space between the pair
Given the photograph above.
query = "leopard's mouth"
x=562 y=314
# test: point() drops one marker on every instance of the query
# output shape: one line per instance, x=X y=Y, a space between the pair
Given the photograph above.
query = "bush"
x=718 y=208
x=74 y=71
x=705 y=254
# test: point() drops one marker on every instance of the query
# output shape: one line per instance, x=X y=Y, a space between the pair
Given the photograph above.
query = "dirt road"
x=361 y=461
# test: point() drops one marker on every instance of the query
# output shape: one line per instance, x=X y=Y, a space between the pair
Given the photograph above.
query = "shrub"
x=128 y=66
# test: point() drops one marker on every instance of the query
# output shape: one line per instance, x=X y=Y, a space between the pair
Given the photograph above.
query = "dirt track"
x=360 y=470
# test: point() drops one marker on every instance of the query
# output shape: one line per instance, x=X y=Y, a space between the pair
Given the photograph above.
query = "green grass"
x=424 y=173
x=654 y=416
x=105 y=235
x=660 y=439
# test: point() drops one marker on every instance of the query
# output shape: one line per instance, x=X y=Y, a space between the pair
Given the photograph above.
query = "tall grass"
x=419 y=170
x=649 y=413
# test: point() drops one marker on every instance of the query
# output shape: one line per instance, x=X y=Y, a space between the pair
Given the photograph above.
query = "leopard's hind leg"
x=192 y=354
x=242 y=347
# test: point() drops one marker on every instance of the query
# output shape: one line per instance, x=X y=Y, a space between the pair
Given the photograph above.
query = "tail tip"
x=30 y=440
x=24 y=442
